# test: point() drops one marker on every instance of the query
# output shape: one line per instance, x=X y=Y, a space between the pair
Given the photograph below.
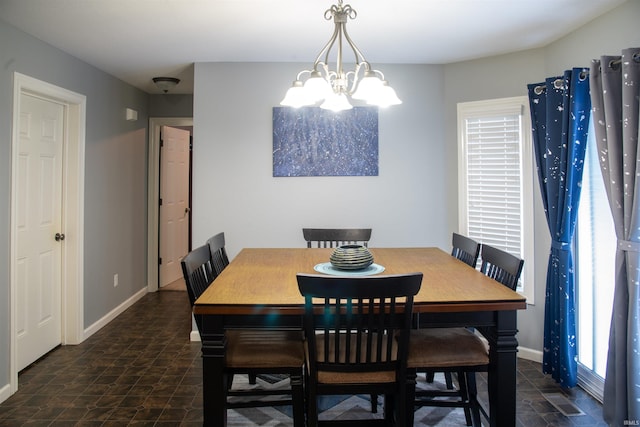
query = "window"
x=495 y=179
x=595 y=260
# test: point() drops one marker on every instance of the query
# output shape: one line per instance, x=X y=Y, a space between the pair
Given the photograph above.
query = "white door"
x=174 y=198
x=38 y=219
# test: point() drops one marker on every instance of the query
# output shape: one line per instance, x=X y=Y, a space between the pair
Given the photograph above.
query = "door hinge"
x=160 y=261
x=160 y=202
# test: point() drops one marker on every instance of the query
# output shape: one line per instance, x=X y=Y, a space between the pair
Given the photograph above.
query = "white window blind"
x=493 y=181
x=495 y=178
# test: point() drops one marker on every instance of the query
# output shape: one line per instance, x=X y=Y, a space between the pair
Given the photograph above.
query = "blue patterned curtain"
x=560 y=111
x=615 y=94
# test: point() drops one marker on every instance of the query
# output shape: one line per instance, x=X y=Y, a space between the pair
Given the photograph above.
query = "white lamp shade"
x=316 y=87
x=385 y=97
x=336 y=102
x=368 y=88
x=296 y=96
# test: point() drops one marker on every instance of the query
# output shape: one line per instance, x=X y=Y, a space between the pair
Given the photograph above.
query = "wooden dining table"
x=258 y=289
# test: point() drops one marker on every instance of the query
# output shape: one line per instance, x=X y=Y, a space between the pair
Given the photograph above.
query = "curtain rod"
x=615 y=62
x=557 y=84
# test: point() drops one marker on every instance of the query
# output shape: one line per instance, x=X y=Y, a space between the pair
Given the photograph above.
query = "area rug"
x=337 y=407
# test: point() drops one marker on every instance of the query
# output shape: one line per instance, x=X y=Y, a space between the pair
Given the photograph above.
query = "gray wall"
x=170 y=105
x=234 y=190
x=115 y=182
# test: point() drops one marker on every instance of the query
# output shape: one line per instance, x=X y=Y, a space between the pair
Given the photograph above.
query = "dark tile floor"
x=141 y=369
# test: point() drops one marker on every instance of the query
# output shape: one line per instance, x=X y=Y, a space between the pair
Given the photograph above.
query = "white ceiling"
x=136 y=40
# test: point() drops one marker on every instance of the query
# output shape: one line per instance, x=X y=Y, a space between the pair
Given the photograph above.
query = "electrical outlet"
x=115 y=280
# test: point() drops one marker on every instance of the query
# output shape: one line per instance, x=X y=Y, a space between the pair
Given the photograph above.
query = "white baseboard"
x=5 y=392
x=530 y=354
x=195 y=335
x=523 y=352
x=114 y=313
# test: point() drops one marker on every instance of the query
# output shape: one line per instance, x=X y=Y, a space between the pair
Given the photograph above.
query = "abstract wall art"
x=310 y=141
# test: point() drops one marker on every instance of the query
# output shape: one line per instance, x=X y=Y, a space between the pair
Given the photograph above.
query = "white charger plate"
x=327 y=268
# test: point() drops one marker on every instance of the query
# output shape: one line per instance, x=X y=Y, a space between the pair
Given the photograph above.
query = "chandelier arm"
x=339 y=69
x=301 y=73
x=326 y=50
x=351 y=79
x=379 y=73
x=356 y=52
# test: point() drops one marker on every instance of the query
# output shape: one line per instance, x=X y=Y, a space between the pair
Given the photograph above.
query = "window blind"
x=494 y=181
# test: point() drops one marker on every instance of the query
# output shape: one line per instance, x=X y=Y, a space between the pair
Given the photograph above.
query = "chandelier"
x=335 y=89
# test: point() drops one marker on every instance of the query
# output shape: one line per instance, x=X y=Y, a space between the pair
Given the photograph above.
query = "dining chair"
x=460 y=350
x=448 y=350
x=219 y=257
x=334 y=237
x=219 y=261
x=466 y=250
x=501 y=266
x=357 y=337
x=252 y=352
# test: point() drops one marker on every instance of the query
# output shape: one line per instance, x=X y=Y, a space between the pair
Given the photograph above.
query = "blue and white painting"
x=310 y=141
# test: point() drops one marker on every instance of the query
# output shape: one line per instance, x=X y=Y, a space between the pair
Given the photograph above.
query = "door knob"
x=59 y=236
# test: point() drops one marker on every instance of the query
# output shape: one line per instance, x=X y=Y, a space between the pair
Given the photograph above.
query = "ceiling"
x=136 y=40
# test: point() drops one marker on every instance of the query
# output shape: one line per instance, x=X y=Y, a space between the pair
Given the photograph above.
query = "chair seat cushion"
x=446 y=348
x=264 y=349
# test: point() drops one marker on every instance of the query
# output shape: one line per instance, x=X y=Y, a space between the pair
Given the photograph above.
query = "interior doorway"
x=153 y=194
x=175 y=202
x=69 y=295
x=38 y=255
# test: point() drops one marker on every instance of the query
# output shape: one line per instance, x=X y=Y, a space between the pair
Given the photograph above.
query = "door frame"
x=153 y=193
x=73 y=167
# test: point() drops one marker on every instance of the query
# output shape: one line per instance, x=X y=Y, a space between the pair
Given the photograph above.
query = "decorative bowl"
x=351 y=257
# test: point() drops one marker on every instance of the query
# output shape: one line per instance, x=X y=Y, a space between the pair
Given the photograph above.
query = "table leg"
x=502 y=370
x=214 y=380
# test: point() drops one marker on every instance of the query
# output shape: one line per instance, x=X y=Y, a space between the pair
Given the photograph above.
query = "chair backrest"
x=501 y=266
x=465 y=249
x=219 y=258
x=334 y=237
x=353 y=320
x=198 y=272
